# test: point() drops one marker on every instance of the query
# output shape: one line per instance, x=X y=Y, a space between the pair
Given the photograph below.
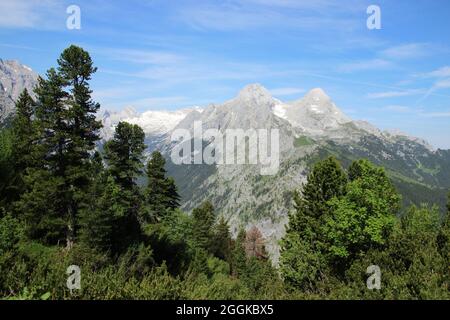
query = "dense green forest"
x=64 y=203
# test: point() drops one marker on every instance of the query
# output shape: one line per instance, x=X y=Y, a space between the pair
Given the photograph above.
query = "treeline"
x=62 y=203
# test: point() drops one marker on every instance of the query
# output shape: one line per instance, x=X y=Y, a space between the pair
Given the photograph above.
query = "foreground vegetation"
x=63 y=203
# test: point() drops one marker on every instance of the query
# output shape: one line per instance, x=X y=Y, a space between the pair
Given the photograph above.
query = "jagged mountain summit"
x=14 y=78
x=315 y=113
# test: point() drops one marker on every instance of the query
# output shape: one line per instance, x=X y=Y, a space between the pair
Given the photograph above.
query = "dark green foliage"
x=238 y=255
x=172 y=241
x=326 y=180
x=124 y=154
x=365 y=215
x=6 y=167
x=10 y=233
x=66 y=134
x=448 y=204
x=360 y=230
x=16 y=151
x=99 y=219
x=203 y=221
x=222 y=240
x=301 y=263
x=161 y=192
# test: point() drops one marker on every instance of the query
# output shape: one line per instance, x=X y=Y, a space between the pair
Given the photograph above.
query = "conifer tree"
x=24 y=133
x=6 y=167
x=222 y=240
x=67 y=132
x=326 y=180
x=21 y=135
x=161 y=191
x=44 y=206
x=203 y=218
x=239 y=259
x=124 y=154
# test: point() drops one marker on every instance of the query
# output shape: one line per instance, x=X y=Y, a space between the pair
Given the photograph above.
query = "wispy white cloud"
x=140 y=56
x=442 y=84
x=246 y=15
x=398 y=108
x=38 y=14
x=393 y=94
x=365 y=65
x=406 y=51
x=444 y=114
x=442 y=72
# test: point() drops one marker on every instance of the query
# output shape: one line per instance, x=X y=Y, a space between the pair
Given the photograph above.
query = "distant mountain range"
x=311 y=128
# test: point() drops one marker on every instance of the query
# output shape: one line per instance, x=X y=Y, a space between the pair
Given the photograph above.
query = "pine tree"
x=161 y=191
x=172 y=197
x=239 y=259
x=22 y=135
x=203 y=218
x=43 y=206
x=222 y=240
x=76 y=68
x=67 y=132
x=6 y=167
x=326 y=180
x=124 y=155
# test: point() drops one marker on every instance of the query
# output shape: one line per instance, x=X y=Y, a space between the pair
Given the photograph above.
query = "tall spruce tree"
x=222 y=240
x=23 y=131
x=6 y=167
x=124 y=154
x=161 y=191
x=203 y=221
x=67 y=132
x=43 y=206
x=326 y=180
x=22 y=134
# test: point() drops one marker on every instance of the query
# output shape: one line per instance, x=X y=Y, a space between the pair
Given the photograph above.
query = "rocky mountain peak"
x=14 y=78
x=317 y=94
x=255 y=92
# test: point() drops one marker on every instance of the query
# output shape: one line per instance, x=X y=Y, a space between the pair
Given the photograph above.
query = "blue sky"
x=167 y=54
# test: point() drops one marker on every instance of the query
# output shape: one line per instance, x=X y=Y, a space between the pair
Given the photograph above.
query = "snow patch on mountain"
x=154 y=123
